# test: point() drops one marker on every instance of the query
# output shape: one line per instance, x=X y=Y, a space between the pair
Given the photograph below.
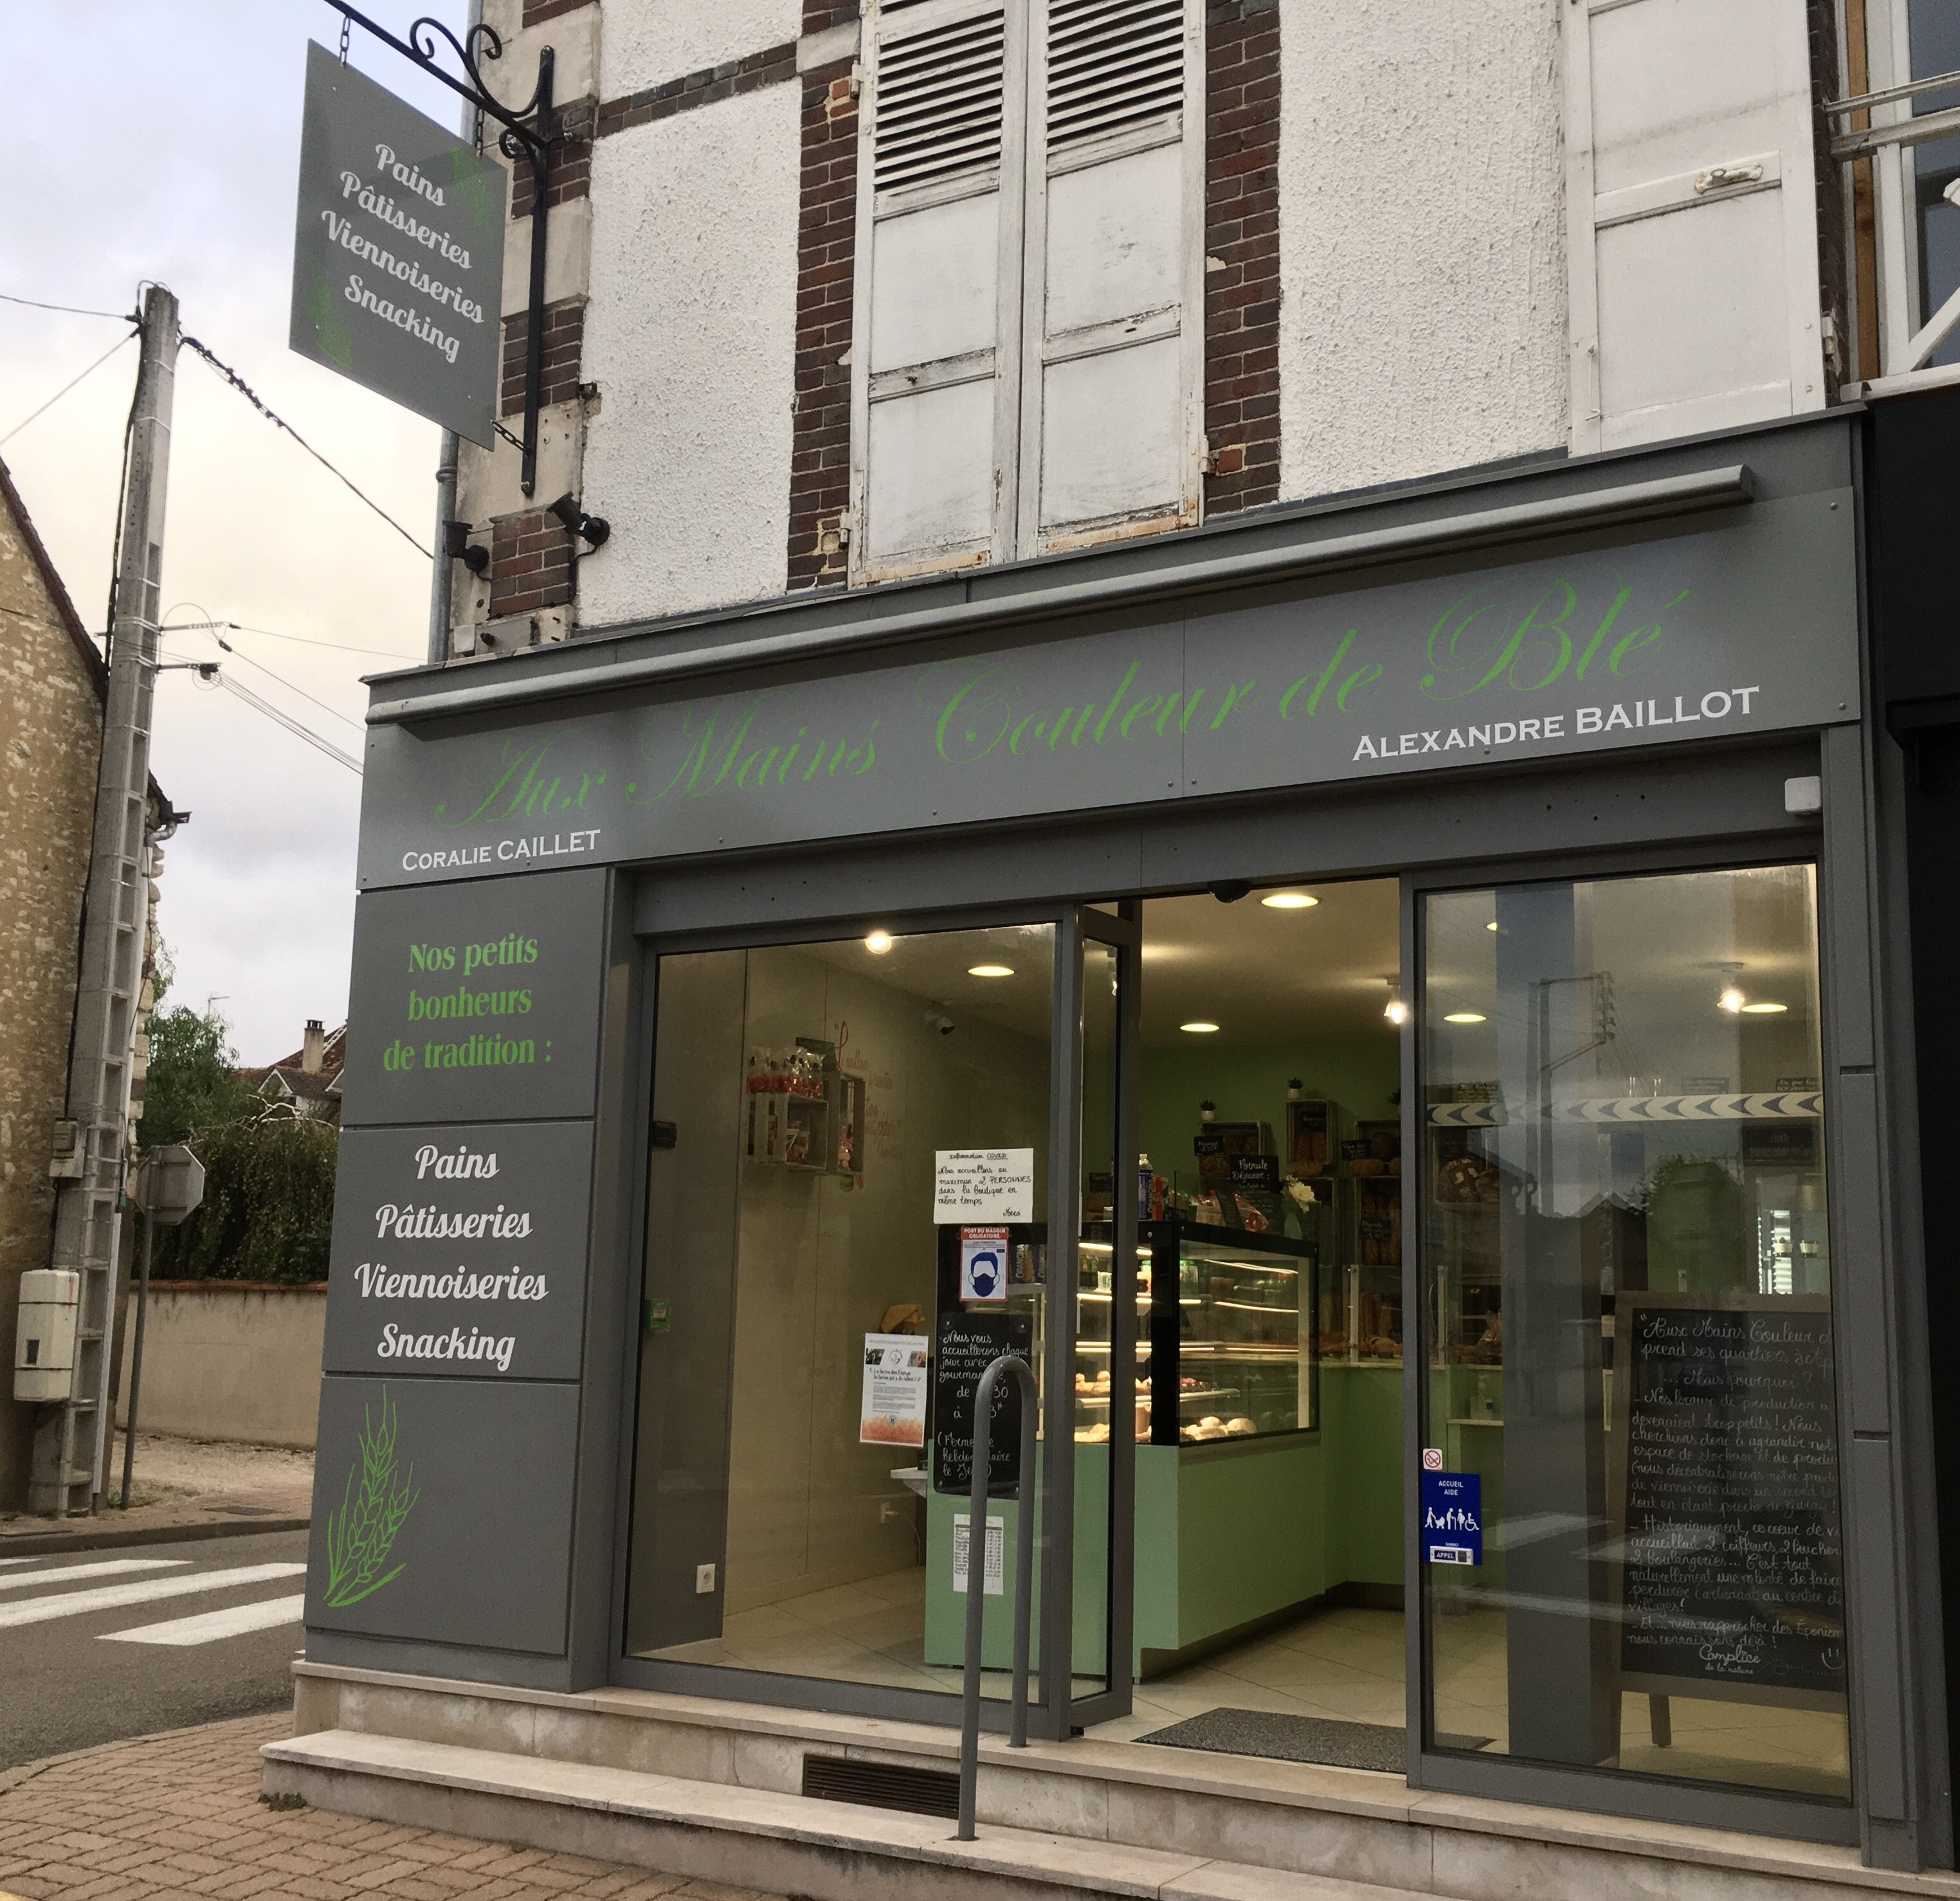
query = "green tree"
x=189 y=1085
x=268 y=1208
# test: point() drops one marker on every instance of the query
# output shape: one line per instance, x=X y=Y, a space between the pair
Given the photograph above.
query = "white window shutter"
x=1112 y=359
x=1691 y=217
x=935 y=370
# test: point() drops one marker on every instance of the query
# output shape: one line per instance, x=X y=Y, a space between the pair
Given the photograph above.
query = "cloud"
x=162 y=144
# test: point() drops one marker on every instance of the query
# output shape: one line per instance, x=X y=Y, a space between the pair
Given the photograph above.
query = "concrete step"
x=750 y=1838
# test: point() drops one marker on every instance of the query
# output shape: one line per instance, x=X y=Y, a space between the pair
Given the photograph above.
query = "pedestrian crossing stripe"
x=75 y=1603
x=209 y=1626
x=106 y=1568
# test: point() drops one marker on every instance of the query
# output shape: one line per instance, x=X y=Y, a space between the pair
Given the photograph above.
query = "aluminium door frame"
x=1055 y=1712
x=1842 y=941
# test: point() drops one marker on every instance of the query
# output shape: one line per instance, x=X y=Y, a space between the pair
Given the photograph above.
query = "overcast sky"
x=160 y=141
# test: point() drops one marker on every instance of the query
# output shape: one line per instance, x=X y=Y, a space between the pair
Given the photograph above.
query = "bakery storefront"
x=1378 y=1003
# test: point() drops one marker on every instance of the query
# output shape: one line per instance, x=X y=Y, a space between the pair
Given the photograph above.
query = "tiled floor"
x=1346 y=1664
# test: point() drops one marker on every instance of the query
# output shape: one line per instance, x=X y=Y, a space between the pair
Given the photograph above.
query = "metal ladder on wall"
x=71 y=1439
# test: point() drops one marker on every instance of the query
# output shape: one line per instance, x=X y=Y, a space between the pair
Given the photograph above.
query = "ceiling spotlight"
x=1464 y=1016
x=989 y=970
x=1288 y=901
x=1764 y=1010
x=878 y=943
x=1198 y=1029
x=1228 y=891
x=1492 y=925
x=576 y=521
x=1395 y=1010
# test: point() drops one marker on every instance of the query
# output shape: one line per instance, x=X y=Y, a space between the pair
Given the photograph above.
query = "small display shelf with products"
x=1223 y=1350
x=804 y=1111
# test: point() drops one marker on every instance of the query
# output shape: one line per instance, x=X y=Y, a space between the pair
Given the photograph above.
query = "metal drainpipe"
x=442 y=577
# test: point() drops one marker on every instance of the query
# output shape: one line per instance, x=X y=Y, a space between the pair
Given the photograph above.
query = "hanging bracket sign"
x=397 y=261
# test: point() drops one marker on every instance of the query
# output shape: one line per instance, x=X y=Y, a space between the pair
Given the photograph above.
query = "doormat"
x=1300 y=1739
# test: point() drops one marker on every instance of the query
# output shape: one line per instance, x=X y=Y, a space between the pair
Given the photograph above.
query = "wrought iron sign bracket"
x=529 y=131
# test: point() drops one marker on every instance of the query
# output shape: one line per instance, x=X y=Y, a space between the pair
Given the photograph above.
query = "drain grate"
x=881 y=1785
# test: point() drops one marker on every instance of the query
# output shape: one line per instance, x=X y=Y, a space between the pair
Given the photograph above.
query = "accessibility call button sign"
x=1453 y=1518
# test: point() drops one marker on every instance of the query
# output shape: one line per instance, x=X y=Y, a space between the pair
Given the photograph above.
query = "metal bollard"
x=976 y=1575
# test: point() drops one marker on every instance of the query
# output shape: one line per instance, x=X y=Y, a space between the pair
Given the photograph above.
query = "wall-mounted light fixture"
x=457 y=546
x=576 y=521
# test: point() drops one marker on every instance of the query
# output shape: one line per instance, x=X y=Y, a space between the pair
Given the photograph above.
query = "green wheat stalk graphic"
x=361 y=1535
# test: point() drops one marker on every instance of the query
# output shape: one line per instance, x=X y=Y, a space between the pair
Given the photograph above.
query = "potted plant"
x=1207 y=1110
x=1296 y=1089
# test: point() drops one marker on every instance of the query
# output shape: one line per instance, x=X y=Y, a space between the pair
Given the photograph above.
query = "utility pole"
x=70 y=1438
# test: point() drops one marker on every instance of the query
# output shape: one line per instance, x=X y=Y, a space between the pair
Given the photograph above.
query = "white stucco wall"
x=690 y=337
x=1423 y=313
x=649 y=42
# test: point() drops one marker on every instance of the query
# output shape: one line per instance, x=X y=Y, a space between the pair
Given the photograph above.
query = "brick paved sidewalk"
x=172 y=1817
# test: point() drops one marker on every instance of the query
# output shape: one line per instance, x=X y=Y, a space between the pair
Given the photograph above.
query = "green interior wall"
x=1249 y=1083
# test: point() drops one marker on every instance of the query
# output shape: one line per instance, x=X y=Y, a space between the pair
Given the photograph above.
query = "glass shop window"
x=785 y=1518
x=1632 y=1537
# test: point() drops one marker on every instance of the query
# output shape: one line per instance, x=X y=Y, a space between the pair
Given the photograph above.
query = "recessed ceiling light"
x=1198 y=1029
x=989 y=970
x=878 y=943
x=1464 y=1016
x=1288 y=901
x=1764 y=1010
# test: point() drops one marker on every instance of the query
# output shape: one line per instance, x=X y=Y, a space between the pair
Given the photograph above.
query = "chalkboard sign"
x=967 y=1345
x=1728 y=1554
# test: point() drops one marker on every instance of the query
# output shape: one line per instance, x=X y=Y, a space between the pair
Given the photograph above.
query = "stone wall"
x=50 y=737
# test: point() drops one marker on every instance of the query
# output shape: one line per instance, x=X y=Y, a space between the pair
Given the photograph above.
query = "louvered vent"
x=1111 y=64
x=939 y=103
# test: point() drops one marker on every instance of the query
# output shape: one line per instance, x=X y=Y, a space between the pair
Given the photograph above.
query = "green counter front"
x=1228 y=1534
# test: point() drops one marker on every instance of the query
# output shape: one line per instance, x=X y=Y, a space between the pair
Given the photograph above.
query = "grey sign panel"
x=398 y=260
x=476 y=1002
x=442 y=1512
x=460 y=1250
x=1745 y=627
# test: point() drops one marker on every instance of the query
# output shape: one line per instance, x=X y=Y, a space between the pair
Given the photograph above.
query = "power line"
x=333 y=646
x=68 y=309
x=252 y=396
x=291 y=725
x=357 y=725
x=64 y=388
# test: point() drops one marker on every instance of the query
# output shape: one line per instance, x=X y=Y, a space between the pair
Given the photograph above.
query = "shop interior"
x=809 y=1089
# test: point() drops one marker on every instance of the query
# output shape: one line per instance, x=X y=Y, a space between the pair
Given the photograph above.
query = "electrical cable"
x=291 y=725
x=65 y=388
x=333 y=646
x=252 y=396
x=68 y=309
x=359 y=726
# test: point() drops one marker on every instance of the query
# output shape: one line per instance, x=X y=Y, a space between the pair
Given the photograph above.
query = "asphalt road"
x=71 y=1676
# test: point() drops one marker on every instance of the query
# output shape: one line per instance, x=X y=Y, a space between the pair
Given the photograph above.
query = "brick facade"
x=531 y=563
x=826 y=263
x=565 y=342
x=773 y=66
x=571 y=160
x=1242 y=234
x=537 y=12
x=51 y=683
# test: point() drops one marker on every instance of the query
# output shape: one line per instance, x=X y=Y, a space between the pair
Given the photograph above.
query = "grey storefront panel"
x=1737 y=624
x=949 y=783
x=461 y=1251
x=476 y=1002
x=445 y=1512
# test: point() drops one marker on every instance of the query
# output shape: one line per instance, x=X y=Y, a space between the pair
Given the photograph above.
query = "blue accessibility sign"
x=1453 y=1518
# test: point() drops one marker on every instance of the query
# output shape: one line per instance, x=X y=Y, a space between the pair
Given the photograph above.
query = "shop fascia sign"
x=398 y=259
x=1742 y=628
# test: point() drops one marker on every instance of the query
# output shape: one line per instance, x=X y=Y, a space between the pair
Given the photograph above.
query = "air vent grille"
x=881 y=1785
x=939 y=103
x=1112 y=63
